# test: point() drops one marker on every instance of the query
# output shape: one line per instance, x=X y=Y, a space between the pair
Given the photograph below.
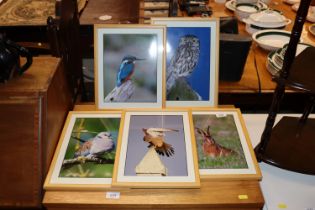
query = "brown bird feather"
x=155 y=138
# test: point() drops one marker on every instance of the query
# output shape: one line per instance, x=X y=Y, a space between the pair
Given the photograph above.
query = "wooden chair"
x=64 y=38
x=290 y=144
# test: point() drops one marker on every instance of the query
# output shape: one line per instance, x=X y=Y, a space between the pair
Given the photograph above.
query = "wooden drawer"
x=32 y=109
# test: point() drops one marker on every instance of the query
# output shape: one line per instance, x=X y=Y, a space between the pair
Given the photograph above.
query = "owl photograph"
x=190 y=61
x=187 y=64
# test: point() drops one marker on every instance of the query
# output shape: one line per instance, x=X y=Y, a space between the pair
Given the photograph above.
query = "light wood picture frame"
x=129 y=66
x=191 y=61
x=156 y=149
x=224 y=148
x=85 y=155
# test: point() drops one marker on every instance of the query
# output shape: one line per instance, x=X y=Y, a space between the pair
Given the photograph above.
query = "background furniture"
x=292 y=134
x=64 y=39
x=33 y=108
x=255 y=89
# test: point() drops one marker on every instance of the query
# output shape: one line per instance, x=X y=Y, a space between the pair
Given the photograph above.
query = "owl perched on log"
x=155 y=138
x=183 y=61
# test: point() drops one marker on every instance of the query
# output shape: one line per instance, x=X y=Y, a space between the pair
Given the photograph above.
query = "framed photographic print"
x=156 y=149
x=84 y=158
x=223 y=145
x=129 y=63
x=191 y=61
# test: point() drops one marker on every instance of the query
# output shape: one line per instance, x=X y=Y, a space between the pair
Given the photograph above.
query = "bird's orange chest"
x=156 y=141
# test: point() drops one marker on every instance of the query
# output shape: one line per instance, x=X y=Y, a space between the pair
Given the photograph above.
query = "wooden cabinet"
x=33 y=108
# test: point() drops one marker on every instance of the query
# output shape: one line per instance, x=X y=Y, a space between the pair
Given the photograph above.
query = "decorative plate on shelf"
x=271 y=39
x=231 y=5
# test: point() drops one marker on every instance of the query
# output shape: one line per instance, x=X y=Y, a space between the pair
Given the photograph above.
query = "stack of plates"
x=275 y=58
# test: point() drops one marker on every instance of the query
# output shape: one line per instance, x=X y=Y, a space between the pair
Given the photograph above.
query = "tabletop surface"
x=249 y=80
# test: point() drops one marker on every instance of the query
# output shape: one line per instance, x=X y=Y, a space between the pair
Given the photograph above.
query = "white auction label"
x=112 y=195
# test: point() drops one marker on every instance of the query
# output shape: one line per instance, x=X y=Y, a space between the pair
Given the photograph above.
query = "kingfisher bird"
x=155 y=138
x=184 y=60
x=96 y=146
x=126 y=69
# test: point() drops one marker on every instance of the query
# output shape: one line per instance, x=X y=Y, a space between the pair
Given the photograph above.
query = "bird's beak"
x=140 y=59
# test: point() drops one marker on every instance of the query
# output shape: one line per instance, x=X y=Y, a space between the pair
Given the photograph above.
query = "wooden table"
x=211 y=195
x=120 y=11
x=249 y=80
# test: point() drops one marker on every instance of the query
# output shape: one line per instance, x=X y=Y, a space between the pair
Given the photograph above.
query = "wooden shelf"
x=212 y=195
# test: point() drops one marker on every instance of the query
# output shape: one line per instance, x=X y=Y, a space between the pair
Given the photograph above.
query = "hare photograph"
x=130 y=65
x=190 y=61
x=221 y=144
x=156 y=147
x=87 y=151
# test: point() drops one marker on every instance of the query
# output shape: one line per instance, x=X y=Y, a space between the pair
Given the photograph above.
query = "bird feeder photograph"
x=223 y=145
x=191 y=61
x=129 y=65
x=85 y=155
x=156 y=150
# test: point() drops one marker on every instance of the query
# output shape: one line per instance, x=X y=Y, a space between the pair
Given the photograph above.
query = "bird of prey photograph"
x=162 y=133
x=156 y=138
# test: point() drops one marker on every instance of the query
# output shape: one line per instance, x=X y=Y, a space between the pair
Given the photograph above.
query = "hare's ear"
x=208 y=130
x=200 y=131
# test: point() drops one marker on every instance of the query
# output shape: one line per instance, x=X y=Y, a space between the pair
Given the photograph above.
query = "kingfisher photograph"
x=129 y=66
x=156 y=147
x=88 y=149
x=191 y=61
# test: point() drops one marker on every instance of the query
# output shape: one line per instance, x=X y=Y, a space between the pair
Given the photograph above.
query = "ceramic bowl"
x=231 y=5
x=246 y=1
x=243 y=10
x=271 y=39
x=252 y=28
x=269 y=19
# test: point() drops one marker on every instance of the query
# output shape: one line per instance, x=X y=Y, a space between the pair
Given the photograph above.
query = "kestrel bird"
x=184 y=61
x=96 y=146
x=155 y=138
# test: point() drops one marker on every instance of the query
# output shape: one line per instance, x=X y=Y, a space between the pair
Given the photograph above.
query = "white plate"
x=231 y=5
x=271 y=39
x=311 y=28
x=311 y=17
x=295 y=7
